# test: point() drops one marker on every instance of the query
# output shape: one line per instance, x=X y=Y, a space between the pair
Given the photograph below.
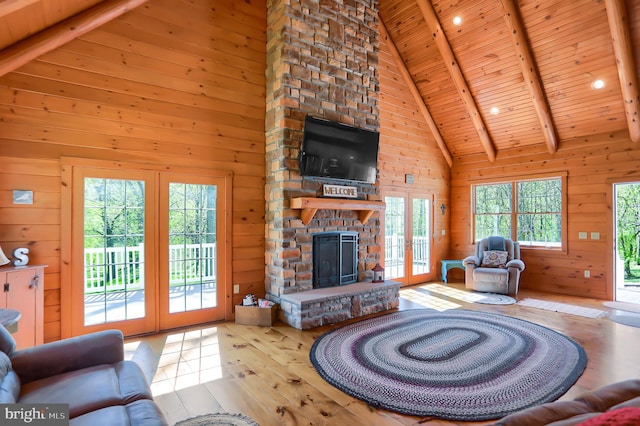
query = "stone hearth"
x=313 y=308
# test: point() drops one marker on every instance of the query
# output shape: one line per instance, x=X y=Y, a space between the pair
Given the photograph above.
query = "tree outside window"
x=534 y=206
x=628 y=224
x=493 y=210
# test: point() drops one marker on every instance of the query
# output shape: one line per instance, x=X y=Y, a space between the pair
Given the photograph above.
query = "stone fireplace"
x=322 y=60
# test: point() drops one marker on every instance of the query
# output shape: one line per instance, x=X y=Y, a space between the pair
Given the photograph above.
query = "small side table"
x=450 y=264
x=9 y=319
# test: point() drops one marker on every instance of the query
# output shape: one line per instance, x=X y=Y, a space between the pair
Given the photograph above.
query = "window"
x=528 y=211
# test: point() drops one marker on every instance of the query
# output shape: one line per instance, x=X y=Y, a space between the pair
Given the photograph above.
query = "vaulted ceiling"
x=510 y=74
x=517 y=73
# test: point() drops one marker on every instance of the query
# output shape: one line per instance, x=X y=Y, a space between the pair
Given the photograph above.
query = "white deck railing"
x=119 y=268
x=394 y=248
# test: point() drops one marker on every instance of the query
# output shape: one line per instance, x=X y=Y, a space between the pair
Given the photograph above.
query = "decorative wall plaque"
x=22 y=197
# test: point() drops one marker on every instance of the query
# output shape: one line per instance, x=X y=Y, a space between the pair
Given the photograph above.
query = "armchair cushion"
x=90 y=389
x=494 y=259
x=39 y=362
x=495 y=276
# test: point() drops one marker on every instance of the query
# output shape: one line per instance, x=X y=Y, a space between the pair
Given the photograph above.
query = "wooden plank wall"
x=172 y=83
x=408 y=147
x=592 y=165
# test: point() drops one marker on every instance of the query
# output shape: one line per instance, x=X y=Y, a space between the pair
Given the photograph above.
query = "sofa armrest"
x=516 y=263
x=50 y=359
x=471 y=262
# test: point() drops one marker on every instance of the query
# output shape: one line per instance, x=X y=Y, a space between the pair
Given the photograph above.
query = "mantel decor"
x=340 y=191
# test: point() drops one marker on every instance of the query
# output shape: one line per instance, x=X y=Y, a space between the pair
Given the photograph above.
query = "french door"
x=149 y=249
x=408 y=224
x=626 y=244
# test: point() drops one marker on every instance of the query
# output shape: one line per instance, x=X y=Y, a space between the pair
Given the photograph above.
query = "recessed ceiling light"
x=457 y=20
x=494 y=110
x=598 y=84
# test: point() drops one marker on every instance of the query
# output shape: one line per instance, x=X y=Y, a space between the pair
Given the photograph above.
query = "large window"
x=528 y=211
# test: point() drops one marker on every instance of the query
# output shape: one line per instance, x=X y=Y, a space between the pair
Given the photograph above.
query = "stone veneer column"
x=322 y=59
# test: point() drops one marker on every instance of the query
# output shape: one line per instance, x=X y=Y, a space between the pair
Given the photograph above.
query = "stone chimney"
x=322 y=60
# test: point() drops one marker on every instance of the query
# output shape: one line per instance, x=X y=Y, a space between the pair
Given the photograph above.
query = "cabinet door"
x=26 y=289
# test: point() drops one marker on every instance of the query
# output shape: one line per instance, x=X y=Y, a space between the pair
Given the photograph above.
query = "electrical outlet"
x=587 y=273
x=236 y=288
x=582 y=235
x=595 y=235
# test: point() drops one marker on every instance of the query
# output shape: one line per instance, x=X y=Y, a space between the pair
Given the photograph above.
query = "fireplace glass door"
x=335 y=259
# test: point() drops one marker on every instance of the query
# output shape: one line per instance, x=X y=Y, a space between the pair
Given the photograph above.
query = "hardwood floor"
x=266 y=373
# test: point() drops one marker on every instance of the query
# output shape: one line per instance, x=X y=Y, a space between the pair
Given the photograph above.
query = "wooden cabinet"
x=22 y=289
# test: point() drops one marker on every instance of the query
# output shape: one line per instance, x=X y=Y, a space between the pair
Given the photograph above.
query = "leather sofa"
x=615 y=404
x=87 y=372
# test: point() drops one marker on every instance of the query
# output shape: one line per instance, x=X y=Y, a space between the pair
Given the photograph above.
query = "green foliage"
x=628 y=225
x=538 y=211
x=114 y=212
x=114 y=217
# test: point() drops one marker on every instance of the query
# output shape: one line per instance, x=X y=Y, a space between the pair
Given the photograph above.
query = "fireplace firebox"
x=335 y=258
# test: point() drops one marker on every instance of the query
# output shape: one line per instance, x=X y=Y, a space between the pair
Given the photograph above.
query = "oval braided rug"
x=455 y=365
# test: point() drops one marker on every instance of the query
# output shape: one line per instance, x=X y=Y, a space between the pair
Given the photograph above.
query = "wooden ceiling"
x=20 y=19
x=533 y=60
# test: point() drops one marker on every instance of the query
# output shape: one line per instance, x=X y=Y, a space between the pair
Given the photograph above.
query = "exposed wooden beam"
x=623 y=49
x=459 y=81
x=45 y=41
x=530 y=73
x=9 y=6
x=424 y=110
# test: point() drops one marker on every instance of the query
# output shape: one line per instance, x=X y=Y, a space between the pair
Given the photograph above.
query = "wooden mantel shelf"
x=310 y=205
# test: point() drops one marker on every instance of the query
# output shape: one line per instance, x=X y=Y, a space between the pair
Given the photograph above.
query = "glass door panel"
x=114 y=284
x=112 y=278
x=421 y=236
x=192 y=247
x=394 y=238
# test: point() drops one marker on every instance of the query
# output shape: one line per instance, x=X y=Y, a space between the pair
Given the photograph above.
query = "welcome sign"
x=340 y=191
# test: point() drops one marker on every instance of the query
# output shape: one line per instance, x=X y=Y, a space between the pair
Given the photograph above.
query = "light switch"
x=595 y=235
x=582 y=235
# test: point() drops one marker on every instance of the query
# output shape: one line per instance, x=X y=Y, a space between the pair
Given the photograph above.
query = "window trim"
x=513 y=180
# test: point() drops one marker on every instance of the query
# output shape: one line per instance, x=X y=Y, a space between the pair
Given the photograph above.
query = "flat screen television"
x=338 y=151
